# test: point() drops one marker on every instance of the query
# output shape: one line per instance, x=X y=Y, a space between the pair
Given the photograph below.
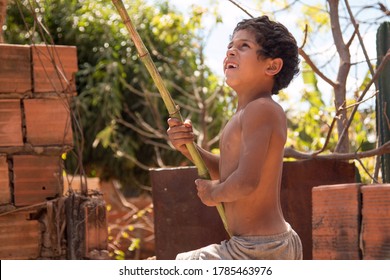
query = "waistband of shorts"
x=267 y=238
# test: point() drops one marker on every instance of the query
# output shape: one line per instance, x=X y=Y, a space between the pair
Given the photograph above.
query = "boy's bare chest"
x=230 y=146
x=231 y=135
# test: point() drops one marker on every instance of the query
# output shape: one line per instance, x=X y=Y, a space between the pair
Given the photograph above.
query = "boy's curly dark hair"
x=276 y=42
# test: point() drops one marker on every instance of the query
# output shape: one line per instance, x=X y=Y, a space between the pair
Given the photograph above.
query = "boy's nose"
x=231 y=52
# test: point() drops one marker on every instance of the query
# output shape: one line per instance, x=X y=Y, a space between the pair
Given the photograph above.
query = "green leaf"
x=104 y=137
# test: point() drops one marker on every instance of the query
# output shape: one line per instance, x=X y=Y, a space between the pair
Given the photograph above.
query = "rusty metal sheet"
x=20 y=237
x=298 y=180
x=54 y=68
x=182 y=221
x=48 y=122
x=15 y=69
x=36 y=178
x=10 y=123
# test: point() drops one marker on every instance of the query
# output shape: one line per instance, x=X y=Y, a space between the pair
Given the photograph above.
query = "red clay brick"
x=336 y=222
x=36 y=178
x=10 y=123
x=376 y=222
x=15 y=69
x=5 y=192
x=20 y=237
x=48 y=122
x=54 y=68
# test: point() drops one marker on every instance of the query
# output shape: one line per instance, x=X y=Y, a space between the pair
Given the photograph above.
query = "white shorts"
x=284 y=246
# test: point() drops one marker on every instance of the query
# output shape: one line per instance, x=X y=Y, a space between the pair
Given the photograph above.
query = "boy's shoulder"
x=263 y=111
x=264 y=106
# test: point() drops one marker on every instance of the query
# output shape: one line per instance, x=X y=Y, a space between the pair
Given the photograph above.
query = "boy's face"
x=242 y=66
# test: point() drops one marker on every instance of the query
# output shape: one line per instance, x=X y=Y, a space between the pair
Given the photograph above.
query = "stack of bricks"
x=36 y=86
x=351 y=222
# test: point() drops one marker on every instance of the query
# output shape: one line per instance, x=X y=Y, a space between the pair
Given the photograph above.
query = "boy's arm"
x=181 y=133
x=258 y=125
x=212 y=162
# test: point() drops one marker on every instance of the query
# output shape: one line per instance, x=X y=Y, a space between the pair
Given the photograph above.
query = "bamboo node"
x=172 y=114
x=143 y=54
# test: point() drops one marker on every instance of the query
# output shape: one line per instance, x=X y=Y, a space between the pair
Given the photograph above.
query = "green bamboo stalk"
x=173 y=109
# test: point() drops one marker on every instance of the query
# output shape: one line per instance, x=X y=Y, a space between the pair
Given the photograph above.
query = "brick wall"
x=37 y=84
x=351 y=222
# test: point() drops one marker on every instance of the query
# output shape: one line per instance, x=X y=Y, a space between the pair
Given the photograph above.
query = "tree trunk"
x=3 y=12
x=344 y=67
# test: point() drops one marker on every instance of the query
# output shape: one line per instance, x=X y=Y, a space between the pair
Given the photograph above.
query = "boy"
x=261 y=59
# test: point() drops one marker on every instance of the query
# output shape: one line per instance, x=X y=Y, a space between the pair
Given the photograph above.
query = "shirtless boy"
x=261 y=59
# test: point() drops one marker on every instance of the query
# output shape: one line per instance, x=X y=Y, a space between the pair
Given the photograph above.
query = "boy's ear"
x=274 y=66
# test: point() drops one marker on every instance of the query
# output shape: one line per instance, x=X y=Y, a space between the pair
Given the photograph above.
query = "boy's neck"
x=245 y=99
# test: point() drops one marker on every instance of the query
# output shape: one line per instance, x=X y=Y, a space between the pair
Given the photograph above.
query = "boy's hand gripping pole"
x=173 y=109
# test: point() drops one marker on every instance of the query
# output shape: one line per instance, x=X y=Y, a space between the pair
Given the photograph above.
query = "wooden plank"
x=87 y=234
x=48 y=122
x=10 y=123
x=54 y=68
x=336 y=222
x=376 y=222
x=36 y=178
x=15 y=69
x=96 y=234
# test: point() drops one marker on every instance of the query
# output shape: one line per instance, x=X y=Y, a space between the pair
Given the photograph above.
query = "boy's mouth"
x=231 y=65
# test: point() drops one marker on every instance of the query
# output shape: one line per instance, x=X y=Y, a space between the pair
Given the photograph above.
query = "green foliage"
x=315 y=18
x=309 y=124
x=122 y=117
x=129 y=235
x=308 y=127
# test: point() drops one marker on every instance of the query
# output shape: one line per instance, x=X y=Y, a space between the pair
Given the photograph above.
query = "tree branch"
x=356 y=26
x=376 y=76
x=314 y=68
x=241 y=8
x=384 y=9
x=384 y=149
x=334 y=121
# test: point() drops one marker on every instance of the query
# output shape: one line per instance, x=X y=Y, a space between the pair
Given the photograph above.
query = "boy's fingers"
x=187 y=123
x=173 y=122
x=199 y=184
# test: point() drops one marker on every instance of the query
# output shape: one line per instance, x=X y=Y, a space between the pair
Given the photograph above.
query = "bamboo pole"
x=173 y=109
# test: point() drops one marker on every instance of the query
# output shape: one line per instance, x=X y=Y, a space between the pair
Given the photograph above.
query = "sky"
x=220 y=36
x=231 y=15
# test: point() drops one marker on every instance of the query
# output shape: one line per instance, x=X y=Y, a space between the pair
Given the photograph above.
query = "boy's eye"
x=238 y=46
x=244 y=45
